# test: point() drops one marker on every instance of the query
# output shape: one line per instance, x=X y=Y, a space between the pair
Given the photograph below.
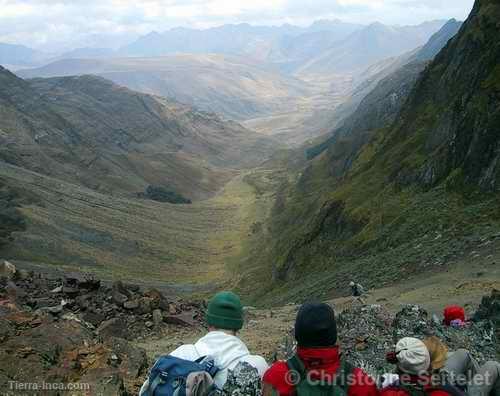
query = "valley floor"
x=178 y=248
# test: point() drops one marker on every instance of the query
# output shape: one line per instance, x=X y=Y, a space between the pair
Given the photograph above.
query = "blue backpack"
x=171 y=376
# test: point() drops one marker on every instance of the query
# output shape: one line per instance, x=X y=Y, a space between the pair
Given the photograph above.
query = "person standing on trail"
x=224 y=318
x=356 y=289
x=317 y=368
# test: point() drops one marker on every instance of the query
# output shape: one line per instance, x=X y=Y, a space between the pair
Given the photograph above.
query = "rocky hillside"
x=393 y=77
x=408 y=196
x=74 y=328
x=89 y=130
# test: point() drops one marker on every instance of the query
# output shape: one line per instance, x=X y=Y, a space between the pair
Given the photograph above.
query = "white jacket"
x=226 y=350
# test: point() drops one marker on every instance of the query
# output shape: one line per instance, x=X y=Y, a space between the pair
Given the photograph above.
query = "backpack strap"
x=295 y=364
x=341 y=378
x=153 y=385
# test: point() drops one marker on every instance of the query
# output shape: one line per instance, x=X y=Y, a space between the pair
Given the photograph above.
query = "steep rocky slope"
x=89 y=130
x=392 y=72
x=412 y=194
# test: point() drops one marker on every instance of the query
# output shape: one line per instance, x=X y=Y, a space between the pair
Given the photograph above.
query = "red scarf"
x=320 y=361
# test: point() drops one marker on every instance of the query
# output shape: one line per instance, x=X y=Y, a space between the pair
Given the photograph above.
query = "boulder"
x=120 y=288
x=133 y=360
x=131 y=305
x=14 y=291
x=113 y=328
x=6 y=329
x=7 y=270
x=156 y=297
x=93 y=318
x=57 y=290
x=70 y=291
x=157 y=317
x=145 y=306
x=182 y=319
x=83 y=302
x=119 y=298
x=104 y=382
x=132 y=288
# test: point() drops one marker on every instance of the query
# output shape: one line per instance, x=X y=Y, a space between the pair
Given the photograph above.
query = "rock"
x=157 y=317
x=41 y=302
x=104 y=382
x=57 y=290
x=14 y=291
x=172 y=309
x=7 y=270
x=94 y=319
x=120 y=288
x=6 y=329
x=149 y=324
x=83 y=302
x=133 y=288
x=56 y=310
x=133 y=360
x=243 y=380
x=145 y=306
x=82 y=280
x=131 y=305
x=490 y=310
x=89 y=283
x=71 y=291
x=119 y=298
x=113 y=328
x=23 y=275
x=155 y=296
x=183 y=319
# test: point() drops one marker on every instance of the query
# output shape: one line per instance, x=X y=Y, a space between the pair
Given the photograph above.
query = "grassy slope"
x=386 y=219
x=190 y=247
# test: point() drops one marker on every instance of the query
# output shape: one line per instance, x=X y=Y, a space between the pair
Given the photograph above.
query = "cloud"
x=58 y=24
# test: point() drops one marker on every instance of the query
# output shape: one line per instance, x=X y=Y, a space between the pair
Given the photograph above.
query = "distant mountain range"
x=230 y=86
x=368 y=46
x=323 y=47
x=257 y=42
x=243 y=72
x=19 y=55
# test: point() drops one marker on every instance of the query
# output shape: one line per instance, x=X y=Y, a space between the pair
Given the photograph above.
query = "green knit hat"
x=225 y=311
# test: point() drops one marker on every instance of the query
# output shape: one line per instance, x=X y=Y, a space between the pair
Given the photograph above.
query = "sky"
x=56 y=25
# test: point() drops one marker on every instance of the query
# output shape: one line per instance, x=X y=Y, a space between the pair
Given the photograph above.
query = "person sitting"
x=463 y=370
x=317 y=365
x=418 y=371
x=224 y=318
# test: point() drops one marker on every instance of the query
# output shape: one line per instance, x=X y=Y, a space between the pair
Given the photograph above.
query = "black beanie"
x=315 y=326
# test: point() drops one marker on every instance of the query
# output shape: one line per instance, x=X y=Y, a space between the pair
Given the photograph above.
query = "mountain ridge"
x=89 y=127
x=420 y=192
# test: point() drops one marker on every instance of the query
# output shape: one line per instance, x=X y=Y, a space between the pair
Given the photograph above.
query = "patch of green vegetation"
x=11 y=219
x=493 y=81
x=164 y=194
